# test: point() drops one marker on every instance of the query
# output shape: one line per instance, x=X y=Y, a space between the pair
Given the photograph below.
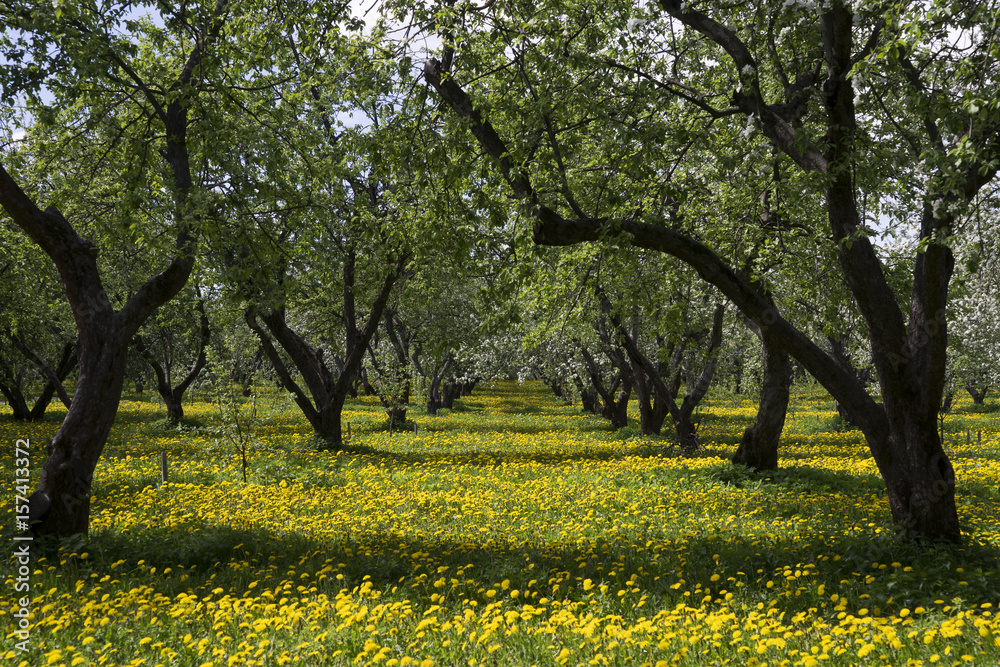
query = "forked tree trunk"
x=646 y=371
x=759 y=446
x=978 y=394
x=12 y=386
x=61 y=504
x=173 y=396
x=323 y=405
x=614 y=398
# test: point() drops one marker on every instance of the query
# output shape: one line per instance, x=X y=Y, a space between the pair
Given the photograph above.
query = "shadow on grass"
x=798 y=479
x=51 y=417
x=761 y=569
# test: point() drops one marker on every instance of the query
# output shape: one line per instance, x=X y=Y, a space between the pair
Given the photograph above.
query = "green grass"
x=513 y=530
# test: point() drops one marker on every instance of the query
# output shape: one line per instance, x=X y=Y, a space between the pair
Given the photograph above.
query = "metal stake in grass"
x=163 y=467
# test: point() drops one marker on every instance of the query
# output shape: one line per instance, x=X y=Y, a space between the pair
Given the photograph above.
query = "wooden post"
x=163 y=467
x=414 y=429
x=968 y=437
x=348 y=429
x=979 y=438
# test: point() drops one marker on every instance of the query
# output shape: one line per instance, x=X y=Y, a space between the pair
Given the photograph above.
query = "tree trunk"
x=15 y=399
x=62 y=502
x=921 y=482
x=435 y=400
x=175 y=410
x=449 y=394
x=687 y=433
x=320 y=406
x=396 y=417
x=759 y=446
x=652 y=408
x=173 y=396
x=978 y=394
x=588 y=396
x=909 y=351
x=324 y=404
x=617 y=410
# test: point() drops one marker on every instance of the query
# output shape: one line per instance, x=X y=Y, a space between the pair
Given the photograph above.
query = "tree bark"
x=978 y=394
x=758 y=448
x=614 y=399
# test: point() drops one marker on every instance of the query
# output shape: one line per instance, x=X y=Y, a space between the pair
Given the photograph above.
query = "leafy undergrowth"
x=513 y=531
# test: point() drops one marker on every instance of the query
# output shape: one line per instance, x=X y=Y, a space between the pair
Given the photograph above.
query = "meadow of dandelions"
x=512 y=531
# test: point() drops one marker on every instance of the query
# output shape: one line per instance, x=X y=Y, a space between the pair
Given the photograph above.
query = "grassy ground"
x=513 y=530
